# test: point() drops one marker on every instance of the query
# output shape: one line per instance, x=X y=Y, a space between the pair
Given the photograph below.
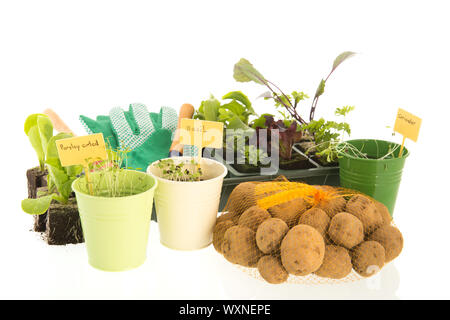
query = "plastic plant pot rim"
x=87 y=195
x=221 y=176
x=346 y=155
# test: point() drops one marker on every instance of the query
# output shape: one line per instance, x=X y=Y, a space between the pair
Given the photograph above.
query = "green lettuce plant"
x=40 y=132
x=234 y=112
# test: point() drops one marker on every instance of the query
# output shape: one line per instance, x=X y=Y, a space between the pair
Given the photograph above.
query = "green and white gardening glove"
x=190 y=151
x=148 y=136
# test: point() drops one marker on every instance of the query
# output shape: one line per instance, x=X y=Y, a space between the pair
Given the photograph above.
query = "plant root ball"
x=253 y=217
x=368 y=258
x=302 y=250
x=337 y=263
x=391 y=239
x=384 y=212
x=346 y=230
x=239 y=246
x=366 y=211
x=241 y=198
x=289 y=211
x=219 y=232
x=271 y=269
x=228 y=216
x=316 y=218
x=269 y=235
x=333 y=205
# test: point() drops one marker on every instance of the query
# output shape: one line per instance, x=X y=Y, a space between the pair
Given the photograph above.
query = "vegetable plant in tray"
x=53 y=206
x=322 y=135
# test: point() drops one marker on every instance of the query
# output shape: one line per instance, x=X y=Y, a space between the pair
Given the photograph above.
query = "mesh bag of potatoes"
x=290 y=230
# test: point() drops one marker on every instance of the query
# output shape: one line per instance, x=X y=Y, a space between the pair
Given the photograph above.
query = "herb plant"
x=234 y=114
x=184 y=171
x=251 y=154
x=328 y=135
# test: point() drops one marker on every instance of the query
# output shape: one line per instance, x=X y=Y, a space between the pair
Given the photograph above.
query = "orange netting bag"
x=291 y=231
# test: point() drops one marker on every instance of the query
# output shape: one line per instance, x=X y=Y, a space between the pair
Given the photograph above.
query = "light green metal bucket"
x=116 y=228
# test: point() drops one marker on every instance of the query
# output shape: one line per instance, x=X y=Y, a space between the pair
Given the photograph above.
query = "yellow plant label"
x=201 y=133
x=81 y=150
x=407 y=124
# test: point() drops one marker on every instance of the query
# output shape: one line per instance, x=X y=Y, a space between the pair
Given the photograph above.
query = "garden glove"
x=190 y=151
x=147 y=136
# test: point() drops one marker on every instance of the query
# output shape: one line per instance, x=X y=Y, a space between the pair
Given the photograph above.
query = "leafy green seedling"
x=39 y=130
x=234 y=114
x=188 y=171
x=59 y=180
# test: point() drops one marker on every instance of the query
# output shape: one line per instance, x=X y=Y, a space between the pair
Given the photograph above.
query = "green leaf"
x=344 y=110
x=37 y=206
x=52 y=151
x=45 y=130
x=236 y=123
x=59 y=177
x=235 y=107
x=74 y=171
x=66 y=189
x=320 y=89
x=31 y=121
x=341 y=58
x=242 y=98
x=245 y=72
x=35 y=140
x=261 y=121
x=210 y=109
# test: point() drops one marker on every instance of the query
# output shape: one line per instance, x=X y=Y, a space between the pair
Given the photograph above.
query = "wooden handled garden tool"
x=57 y=122
x=186 y=111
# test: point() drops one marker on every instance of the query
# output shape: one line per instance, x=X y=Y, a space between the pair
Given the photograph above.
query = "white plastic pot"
x=187 y=211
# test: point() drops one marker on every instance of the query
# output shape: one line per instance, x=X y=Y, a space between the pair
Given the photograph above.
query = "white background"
x=85 y=57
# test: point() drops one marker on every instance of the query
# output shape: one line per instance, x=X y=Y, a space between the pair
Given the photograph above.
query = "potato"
x=333 y=205
x=391 y=239
x=316 y=218
x=271 y=269
x=346 y=230
x=219 y=232
x=252 y=217
x=239 y=246
x=269 y=235
x=289 y=211
x=384 y=212
x=365 y=210
x=241 y=198
x=337 y=263
x=368 y=258
x=302 y=250
x=227 y=216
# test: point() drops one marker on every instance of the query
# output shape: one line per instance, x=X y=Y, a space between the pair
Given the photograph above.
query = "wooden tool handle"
x=186 y=112
x=57 y=122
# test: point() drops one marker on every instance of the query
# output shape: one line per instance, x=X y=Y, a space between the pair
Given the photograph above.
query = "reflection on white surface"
x=238 y=284
x=32 y=269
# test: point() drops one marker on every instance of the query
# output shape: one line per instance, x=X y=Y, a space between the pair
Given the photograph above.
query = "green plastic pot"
x=116 y=228
x=377 y=178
